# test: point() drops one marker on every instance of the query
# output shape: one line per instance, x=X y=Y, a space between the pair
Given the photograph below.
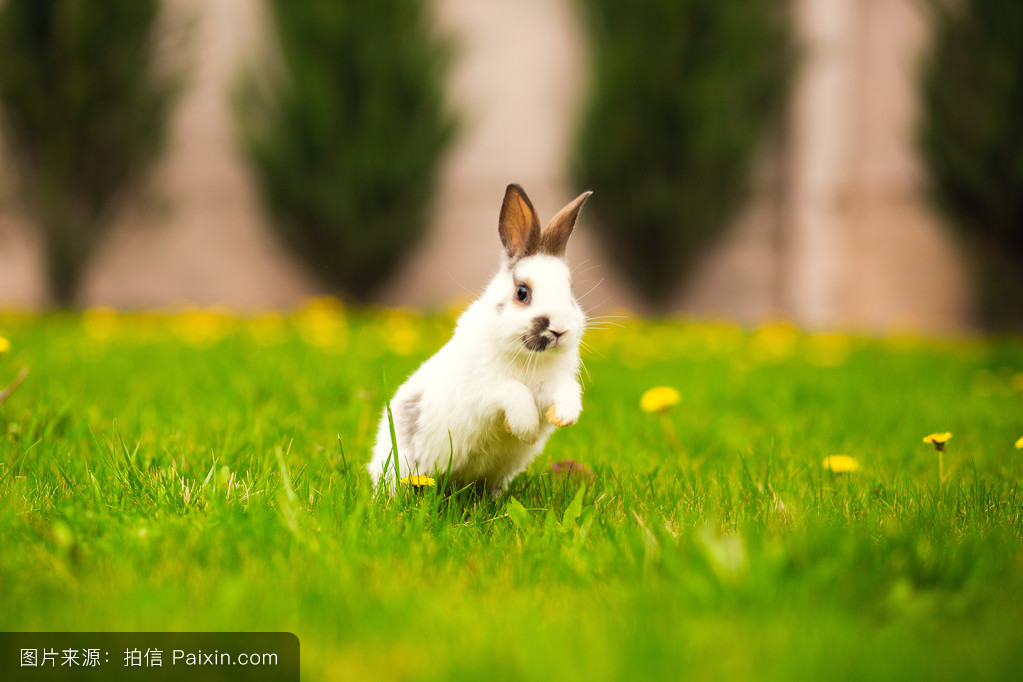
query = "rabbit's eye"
x=522 y=293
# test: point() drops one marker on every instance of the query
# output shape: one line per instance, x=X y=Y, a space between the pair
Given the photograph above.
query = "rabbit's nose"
x=558 y=335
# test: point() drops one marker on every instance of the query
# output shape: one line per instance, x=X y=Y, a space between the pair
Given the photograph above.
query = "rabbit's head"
x=531 y=304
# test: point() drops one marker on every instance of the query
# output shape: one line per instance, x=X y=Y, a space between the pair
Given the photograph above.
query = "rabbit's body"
x=485 y=404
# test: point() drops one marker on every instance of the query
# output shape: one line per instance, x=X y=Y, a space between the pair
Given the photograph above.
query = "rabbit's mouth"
x=540 y=336
x=537 y=344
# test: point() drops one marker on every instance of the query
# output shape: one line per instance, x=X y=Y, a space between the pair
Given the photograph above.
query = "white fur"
x=483 y=398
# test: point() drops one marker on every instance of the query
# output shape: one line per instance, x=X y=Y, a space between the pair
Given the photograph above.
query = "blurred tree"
x=972 y=139
x=346 y=138
x=84 y=114
x=683 y=93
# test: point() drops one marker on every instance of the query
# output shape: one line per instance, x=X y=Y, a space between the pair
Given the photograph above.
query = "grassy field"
x=185 y=472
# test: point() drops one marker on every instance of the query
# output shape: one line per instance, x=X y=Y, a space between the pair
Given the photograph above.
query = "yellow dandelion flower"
x=5 y=345
x=201 y=327
x=775 y=341
x=419 y=481
x=400 y=330
x=100 y=323
x=1019 y=443
x=937 y=439
x=659 y=399
x=840 y=464
x=322 y=323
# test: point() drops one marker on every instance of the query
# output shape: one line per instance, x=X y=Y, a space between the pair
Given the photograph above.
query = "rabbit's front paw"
x=523 y=426
x=562 y=416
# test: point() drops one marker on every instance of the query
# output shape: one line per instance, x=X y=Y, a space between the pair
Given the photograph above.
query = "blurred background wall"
x=835 y=232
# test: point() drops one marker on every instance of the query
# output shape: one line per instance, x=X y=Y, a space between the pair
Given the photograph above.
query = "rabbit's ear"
x=518 y=225
x=554 y=238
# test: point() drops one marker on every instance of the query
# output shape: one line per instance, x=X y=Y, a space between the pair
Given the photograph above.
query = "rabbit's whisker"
x=573 y=270
x=592 y=288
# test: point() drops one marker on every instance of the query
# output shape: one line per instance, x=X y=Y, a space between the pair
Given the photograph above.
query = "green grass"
x=184 y=473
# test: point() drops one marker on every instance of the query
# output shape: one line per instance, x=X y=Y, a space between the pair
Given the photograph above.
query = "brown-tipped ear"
x=555 y=236
x=518 y=225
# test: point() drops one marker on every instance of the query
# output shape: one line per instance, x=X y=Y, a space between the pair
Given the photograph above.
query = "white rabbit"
x=485 y=403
